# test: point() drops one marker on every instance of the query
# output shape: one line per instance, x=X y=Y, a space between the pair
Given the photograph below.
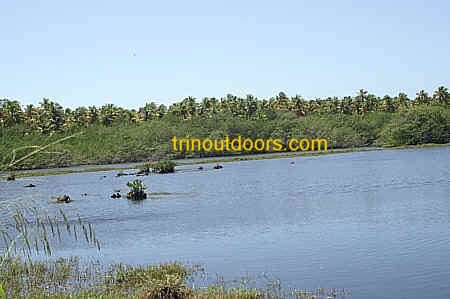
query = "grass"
x=68 y=278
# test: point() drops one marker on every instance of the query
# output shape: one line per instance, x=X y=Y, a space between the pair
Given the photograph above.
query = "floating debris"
x=30 y=186
x=11 y=177
x=200 y=168
x=218 y=166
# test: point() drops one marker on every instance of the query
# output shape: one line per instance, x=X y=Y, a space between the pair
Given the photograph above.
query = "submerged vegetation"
x=113 y=134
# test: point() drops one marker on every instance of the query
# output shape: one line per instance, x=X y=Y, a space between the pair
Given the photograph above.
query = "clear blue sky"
x=129 y=52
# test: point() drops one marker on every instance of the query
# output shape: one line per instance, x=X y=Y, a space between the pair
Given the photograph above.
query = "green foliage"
x=50 y=117
x=2 y=293
x=418 y=125
x=164 y=167
x=115 y=135
x=137 y=190
x=67 y=278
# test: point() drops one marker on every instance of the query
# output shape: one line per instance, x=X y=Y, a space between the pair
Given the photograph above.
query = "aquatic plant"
x=137 y=190
x=164 y=167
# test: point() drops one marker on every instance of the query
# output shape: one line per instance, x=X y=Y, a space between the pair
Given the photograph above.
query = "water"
x=374 y=223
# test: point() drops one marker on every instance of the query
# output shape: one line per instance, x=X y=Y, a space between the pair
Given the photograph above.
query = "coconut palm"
x=10 y=113
x=422 y=98
x=442 y=96
x=108 y=114
x=298 y=105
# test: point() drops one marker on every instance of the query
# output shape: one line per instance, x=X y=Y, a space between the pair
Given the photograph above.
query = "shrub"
x=418 y=125
x=164 y=167
x=136 y=190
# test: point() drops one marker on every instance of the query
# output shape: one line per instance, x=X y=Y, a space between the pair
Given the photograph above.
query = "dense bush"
x=419 y=125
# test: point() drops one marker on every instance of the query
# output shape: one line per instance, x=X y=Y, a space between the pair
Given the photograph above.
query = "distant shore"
x=205 y=160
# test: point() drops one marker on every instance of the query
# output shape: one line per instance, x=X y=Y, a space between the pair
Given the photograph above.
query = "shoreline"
x=206 y=160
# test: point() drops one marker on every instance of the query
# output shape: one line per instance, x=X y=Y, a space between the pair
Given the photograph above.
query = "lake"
x=374 y=223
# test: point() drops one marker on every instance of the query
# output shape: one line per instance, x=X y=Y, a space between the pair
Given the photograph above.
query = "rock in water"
x=64 y=199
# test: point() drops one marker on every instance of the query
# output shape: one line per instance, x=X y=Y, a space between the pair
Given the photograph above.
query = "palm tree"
x=359 y=103
x=422 y=98
x=31 y=116
x=347 y=105
x=176 y=110
x=298 y=105
x=401 y=101
x=282 y=101
x=108 y=114
x=388 y=104
x=442 y=96
x=51 y=117
x=10 y=113
x=161 y=111
x=93 y=114
x=371 y=103
x=149 y=111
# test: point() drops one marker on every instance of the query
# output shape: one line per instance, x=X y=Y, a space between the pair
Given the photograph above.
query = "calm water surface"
x=374 y=223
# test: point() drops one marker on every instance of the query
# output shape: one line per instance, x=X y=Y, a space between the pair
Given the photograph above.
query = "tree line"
x=50 y=117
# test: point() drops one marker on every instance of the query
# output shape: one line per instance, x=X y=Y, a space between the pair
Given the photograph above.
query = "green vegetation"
x=137 y=190
x=418 y=125
x=113 y=135
x=163 y=167
x=2 y=293
x=68 y=278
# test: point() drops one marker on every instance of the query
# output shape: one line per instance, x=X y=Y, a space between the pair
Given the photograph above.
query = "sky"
x=132 y=52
